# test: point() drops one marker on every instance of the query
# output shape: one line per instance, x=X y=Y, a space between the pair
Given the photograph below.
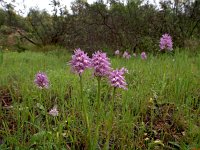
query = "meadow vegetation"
x=159 y=110
x=51 y=98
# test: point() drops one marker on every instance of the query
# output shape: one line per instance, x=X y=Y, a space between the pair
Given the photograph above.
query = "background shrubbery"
x=132 y=25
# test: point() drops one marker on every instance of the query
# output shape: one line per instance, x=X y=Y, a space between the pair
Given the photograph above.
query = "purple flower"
x=143 y=55
x=117 y=52
x=101 y=64
x=117 y=78
x=126 y=55
x=53 y=112
x=80 y=61
x=41 y=80
x=166 y=42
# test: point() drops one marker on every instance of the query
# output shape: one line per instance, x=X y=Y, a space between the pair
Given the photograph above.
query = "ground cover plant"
x=157 y=108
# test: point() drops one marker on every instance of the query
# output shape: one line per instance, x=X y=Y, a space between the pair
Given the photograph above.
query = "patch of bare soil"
x=5 y=98
x=7 y=119
x=164 y=126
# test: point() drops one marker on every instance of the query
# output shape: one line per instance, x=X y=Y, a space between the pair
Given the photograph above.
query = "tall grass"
x=161 y=89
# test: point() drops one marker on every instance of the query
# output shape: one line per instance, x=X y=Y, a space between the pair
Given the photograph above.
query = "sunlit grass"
x=163 y=86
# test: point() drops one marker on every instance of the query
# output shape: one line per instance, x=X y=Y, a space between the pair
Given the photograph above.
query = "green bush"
x=148 y=44
x=5 y=30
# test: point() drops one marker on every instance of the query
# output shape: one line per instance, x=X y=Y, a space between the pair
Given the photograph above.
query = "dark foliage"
x=133 y=26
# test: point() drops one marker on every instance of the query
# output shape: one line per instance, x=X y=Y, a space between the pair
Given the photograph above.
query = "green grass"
x=160 y=109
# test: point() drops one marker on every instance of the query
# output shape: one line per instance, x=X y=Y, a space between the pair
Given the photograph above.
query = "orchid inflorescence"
x=80 y=61
x=54 y=112
x=166 y=43
x=41 y=80
x=100 y=64
x=117 y=52
x=116 y=78
x=126 y=55
x=143 y=55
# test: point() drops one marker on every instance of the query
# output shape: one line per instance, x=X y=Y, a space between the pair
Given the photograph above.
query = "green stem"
x=99 y=91
x=98 y=121
x=84 y=111
x=44 y=103
x=81 y=88
x=106 y=146
x=113 y=98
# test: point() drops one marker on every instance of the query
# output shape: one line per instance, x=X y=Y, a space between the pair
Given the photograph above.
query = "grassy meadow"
x=160 y=109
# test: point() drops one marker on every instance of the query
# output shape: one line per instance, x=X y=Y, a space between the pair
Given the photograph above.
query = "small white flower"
x=134 y=54
x=117 y=52
x=53 y=111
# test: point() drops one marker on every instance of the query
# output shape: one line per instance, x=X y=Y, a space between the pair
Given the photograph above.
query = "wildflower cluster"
x=117 y=52
x=53 y=112
x=41 y=80
x=80 y=61
x=166 y=42
x=143 y=55
x=126 y=55
x=117 y=79
x=101 y=64
x=101 y=67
